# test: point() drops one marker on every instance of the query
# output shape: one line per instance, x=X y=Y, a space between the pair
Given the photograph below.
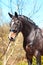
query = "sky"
x=31 y=8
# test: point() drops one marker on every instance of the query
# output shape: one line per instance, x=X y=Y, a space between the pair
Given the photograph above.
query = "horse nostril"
x=11 y=38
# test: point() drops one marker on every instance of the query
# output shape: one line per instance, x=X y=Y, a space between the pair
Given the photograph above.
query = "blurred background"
x=30 y=8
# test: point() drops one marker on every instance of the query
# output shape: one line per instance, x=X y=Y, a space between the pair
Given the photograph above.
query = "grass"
x=18 y=53
x=34 y=62
x=1 y=62
x=22 y=63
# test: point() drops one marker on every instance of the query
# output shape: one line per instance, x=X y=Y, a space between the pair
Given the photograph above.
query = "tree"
x=35 y=9
x=20 y=4
x=11 y=6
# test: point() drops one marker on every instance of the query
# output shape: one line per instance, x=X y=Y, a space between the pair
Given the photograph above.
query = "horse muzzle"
x=12 y=36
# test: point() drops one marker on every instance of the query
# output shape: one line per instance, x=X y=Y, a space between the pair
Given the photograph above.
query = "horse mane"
x=28 y=20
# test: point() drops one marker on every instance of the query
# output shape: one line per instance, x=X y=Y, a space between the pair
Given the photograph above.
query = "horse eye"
x=15 y=31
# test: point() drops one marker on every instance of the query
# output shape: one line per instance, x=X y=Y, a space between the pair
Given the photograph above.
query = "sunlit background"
x=30 y=8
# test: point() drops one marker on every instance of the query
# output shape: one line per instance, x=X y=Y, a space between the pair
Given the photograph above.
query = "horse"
x=33 y=38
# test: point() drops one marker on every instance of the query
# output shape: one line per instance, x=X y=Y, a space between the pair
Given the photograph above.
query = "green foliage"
x=34 y=61
x=22 y=63
x=1 y=62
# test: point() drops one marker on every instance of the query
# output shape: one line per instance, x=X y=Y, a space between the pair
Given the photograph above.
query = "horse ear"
x=10 y=15
x=16 y=15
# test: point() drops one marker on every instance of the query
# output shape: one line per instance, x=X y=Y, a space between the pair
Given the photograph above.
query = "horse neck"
x=26 y=29
x=27 y=26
